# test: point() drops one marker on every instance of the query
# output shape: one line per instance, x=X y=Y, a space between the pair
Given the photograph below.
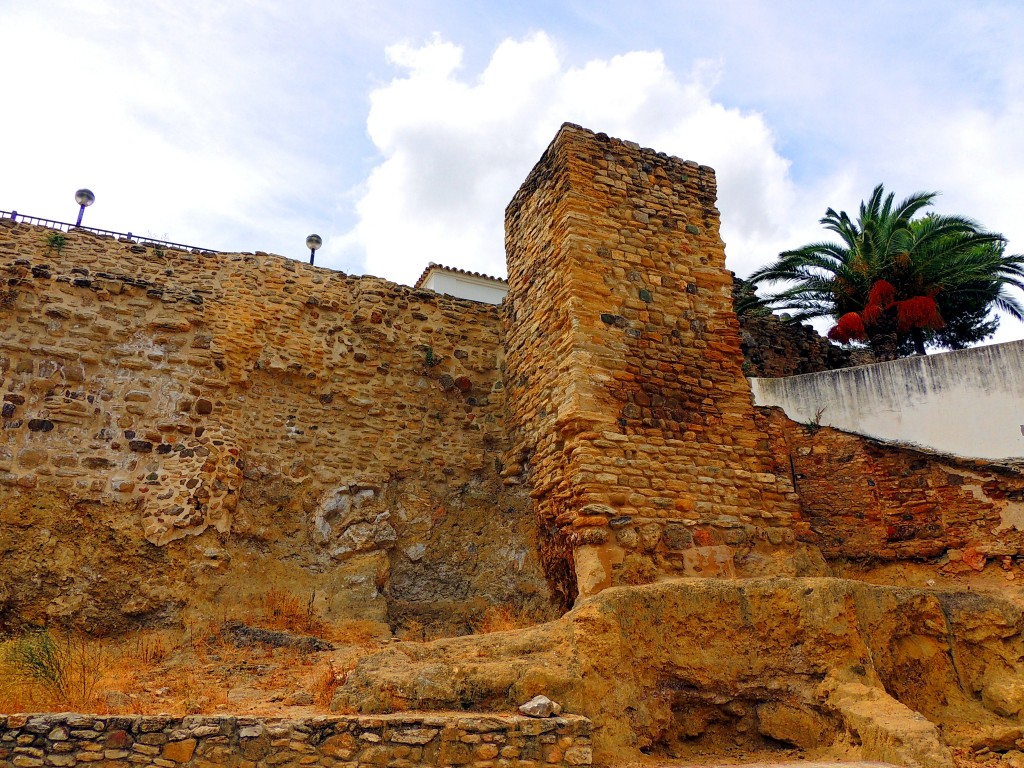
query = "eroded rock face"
x=348 y=521
x=438 y=558
x=809 y=662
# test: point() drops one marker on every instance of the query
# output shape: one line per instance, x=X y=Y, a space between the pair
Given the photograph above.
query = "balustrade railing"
x=64 y=226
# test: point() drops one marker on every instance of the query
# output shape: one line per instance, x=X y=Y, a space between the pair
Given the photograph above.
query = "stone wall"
x=773 y=348
x=194 y=419
x=630 y=413
x=864 y=499
x=409 y=740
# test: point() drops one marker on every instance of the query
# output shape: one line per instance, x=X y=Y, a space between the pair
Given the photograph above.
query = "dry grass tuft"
x=413 y=631
x=357 y=632
x=282 y=610
x=499 y=618
x=146 y=650
x=329 y=681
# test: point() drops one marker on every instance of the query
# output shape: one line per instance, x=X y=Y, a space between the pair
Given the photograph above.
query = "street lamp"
x=85 y=198
x=313 y=242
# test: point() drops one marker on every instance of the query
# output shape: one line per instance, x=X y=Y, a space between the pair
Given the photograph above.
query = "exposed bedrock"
x=897 y=674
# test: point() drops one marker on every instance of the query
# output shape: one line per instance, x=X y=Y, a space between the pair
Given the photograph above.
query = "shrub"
x=64 y=669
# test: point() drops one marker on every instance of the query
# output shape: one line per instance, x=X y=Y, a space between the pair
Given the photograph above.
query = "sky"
x=398 y=131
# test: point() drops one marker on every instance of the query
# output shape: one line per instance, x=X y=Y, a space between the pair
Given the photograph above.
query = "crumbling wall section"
x=865 y=499
x=773 y=348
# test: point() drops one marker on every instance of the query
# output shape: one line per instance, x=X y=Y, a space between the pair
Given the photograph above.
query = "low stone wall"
x=403 y=740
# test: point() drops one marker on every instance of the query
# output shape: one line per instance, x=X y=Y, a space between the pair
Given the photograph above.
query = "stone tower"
x=628 y=407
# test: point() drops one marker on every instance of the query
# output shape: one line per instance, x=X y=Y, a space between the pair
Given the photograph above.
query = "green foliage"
x=35 y=657
x=430 y=359
x=948 y=258
x=67 y=668
x=56 y=241
x=813 y=425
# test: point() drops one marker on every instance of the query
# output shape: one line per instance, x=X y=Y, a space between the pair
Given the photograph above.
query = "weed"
x=60 y=669
x=414 y=631
x=329 y=681
x=430 y=359
x=56 y=241
x=282 y=610
x=814 y=424
x=357 y=632
x=498 y=618
x=148 y=651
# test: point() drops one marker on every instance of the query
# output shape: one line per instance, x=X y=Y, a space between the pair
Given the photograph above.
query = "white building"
x=462 y=284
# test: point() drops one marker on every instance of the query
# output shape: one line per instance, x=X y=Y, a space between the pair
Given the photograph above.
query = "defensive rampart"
x=394 y=453
x=199 y=419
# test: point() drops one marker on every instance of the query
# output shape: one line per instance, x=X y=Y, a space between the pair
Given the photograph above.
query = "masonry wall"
x=190 y=421
x=773 y=348
x=863 y=499
x=410 y=740
x=628 y=407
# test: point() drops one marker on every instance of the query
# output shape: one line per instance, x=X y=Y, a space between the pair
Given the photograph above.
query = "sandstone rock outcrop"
x=900 y=673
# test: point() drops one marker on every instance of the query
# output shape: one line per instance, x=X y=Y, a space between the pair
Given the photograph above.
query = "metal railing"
x=64 y=226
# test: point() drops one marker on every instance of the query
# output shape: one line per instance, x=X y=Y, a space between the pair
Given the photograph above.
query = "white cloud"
x=165 y=112
x=456 y=147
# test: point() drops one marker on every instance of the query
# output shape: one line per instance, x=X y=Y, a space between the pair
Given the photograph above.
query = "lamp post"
x=313 y=242
x=84 y=198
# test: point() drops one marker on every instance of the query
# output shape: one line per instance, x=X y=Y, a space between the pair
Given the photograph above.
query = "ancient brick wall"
x=323 y=430
x=412 y=740
x=627 y=399
x=863 y=499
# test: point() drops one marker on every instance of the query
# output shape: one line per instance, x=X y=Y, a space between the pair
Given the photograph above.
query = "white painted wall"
x=466 y=287
x=968 y=403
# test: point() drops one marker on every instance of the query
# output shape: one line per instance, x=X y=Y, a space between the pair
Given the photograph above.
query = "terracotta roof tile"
x=455 y=270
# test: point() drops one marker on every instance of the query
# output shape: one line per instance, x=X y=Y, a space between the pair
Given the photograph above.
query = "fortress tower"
x=628 y=408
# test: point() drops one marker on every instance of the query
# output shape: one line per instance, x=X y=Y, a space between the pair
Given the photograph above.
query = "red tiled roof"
x=455 y=270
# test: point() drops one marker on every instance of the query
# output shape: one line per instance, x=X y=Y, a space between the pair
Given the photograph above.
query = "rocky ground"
x=680 y=665
x=213 y=669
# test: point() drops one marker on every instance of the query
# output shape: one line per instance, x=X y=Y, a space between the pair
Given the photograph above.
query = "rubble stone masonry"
x=867 y=500
x=208 y=426
x=360 y=423
x=408 y=740
x=627 y=401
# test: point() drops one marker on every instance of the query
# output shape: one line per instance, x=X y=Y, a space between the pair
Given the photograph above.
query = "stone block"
x=179 y=752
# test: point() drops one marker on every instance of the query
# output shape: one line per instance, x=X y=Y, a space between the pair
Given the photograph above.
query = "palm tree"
x=895 y=279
